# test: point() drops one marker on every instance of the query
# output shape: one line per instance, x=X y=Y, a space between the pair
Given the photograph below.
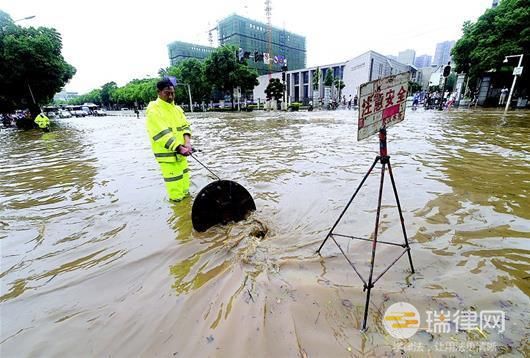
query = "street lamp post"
x=189 y=93
x=22 y=19
x=25 y=18
x=514 y=79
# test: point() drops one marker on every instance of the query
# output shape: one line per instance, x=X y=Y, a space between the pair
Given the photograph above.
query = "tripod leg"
x=365 y=319
x=400 y=215
x=374 y=245
x=349 y=202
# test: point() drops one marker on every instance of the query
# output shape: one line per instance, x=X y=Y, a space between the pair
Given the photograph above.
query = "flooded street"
x=95 y=261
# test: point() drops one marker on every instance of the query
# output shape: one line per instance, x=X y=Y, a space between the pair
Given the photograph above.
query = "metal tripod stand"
x=369 y=284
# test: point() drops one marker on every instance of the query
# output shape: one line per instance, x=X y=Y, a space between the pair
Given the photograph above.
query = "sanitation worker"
x=43 y=122
x=170 y=135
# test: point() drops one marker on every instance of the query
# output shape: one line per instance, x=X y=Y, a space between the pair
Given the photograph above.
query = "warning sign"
x=382 y=103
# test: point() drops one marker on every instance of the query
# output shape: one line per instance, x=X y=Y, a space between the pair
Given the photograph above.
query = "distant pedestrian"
x=502 y=98
x=415 y=101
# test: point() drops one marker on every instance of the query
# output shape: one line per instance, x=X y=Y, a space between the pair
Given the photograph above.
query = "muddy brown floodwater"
x=96 y=262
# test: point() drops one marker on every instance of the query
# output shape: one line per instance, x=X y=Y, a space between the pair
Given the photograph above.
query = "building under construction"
x=261 y=43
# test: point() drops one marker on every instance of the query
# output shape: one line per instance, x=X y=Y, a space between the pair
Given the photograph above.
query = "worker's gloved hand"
x=190 y=149
x=183 y=150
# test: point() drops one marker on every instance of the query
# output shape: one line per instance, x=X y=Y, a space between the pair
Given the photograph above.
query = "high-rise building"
x=406 y=57
x=252 y=37
x=443 y=52
x=179 y=51
x=423 y=61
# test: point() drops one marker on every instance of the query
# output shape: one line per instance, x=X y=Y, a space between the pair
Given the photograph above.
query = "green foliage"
x=274 y=89
x=107 y=92
x=295 y=106
x=31 y=58
x=414 y=87
x=136 y=92
x=339 y=84
x=434 y=88
x=220 y=70
x=219 y=65
x=499 y=32
x=192 y=72
x=451 y=82
x=224 y=72
x=93 y=96
x=316 y=79
x=328 y=80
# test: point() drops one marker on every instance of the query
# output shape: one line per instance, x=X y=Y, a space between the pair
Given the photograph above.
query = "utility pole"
x=515 y=74
x=189 y=94
x=268 y=13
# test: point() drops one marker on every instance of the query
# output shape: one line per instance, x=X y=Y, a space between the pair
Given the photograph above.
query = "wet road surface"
x=96 y=262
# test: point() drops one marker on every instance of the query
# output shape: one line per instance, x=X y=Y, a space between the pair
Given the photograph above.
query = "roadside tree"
x=499 y=32
x=225 y=73
x=274 y=89
x=32 y=69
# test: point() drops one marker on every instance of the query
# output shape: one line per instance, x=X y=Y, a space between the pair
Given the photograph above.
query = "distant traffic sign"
x=517 y=71
x=382 y=103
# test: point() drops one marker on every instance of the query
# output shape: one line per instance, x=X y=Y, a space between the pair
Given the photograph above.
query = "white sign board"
x=382 y=103
x=517 y=71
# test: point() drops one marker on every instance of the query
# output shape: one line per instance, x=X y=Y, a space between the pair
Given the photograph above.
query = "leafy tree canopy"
x=191 y=72
x=225 y=73
x=274 y=89
x=31 y=61
x=316 y=79
x=499 y=32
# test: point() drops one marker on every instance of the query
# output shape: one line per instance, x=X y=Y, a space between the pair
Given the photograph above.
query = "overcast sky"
x=111 y=40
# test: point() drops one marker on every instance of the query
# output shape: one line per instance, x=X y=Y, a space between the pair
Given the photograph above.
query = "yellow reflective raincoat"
x=166 y=126
x=42 y=121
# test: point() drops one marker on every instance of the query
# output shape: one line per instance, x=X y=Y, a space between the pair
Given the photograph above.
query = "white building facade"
x=364 y=68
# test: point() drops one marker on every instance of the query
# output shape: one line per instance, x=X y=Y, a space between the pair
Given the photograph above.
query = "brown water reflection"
x=96 y=262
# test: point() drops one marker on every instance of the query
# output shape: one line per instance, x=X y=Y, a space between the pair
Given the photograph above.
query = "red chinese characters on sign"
x=367 y=106
x=389 y=96
x=378 y=101
x=402 y=94
x=382 y=103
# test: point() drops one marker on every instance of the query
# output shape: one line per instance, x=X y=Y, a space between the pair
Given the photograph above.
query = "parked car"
x=79 y=113
x=100 y=113
x=65 y=114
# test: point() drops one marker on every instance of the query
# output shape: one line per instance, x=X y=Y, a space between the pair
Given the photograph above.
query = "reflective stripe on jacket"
x=166 y=125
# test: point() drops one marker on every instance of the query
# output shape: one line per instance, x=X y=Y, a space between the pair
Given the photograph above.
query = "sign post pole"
x=369 y=118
